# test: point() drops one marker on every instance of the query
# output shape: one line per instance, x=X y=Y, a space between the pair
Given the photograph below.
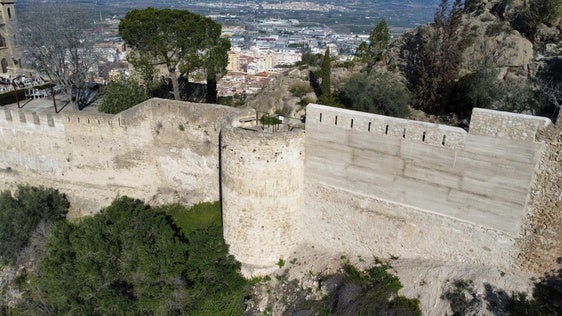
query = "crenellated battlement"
x=351 y=182
x=386 y=126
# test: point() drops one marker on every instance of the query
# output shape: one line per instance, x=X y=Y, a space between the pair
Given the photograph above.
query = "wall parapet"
x=30 y=120
x=507 y=125
x=380 y=125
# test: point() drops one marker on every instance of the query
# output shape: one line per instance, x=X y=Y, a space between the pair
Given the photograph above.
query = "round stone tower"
x=262 y=175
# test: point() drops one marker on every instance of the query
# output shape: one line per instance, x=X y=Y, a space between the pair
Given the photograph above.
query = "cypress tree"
x=326 y=72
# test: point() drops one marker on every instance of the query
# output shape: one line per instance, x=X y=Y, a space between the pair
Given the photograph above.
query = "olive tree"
x=380 y=93
x=179 y=40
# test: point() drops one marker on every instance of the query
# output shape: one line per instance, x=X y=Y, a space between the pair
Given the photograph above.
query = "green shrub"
x=269 y=120
x=496 y=29
x=22 y=212
x=330 y=100
x=132 y=259
x=121 y=95
x=305 y=101
x=299 y=89
x=235 y=100
x=200 y=216
x=380 y=93
x=378 y=294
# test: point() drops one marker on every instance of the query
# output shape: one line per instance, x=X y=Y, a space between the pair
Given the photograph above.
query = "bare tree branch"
x=551 y=90
x=57 y=45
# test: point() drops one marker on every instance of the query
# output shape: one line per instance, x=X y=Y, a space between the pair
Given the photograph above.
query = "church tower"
x=9 y=59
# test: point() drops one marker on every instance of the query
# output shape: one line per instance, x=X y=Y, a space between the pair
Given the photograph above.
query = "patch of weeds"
x=293 y=261
x=181 y=127
x=281 y=278
x=462 y=297
x=268 y=311
x=393 y=257
x=378 y=294
x=281 y=263
x=258 y=279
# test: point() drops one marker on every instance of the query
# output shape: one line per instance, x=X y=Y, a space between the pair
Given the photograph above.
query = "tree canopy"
x=20 y=214
x=440 y=58
x=380 y=93
x=378 y=43
x=379 y=40
x=180 y=40
x=132 y=259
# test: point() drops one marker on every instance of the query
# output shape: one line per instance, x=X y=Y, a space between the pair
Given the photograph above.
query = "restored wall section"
x=392 y=175
x=160 y=150
x=262 y=187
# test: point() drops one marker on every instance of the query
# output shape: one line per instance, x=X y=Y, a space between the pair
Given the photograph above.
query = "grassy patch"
x=199 y=216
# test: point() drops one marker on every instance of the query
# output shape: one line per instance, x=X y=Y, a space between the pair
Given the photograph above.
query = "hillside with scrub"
x=499 y=54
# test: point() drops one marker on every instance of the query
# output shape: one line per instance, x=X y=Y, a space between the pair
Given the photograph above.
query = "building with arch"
x=9 y=58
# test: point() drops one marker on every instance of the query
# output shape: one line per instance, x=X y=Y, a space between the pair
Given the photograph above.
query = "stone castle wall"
x=160 y=151
x=540 y=244
x=352 y=182
x=416 y=189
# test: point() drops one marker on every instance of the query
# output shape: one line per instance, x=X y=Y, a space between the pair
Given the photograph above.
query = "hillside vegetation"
x=128 y=258
x=498 y=54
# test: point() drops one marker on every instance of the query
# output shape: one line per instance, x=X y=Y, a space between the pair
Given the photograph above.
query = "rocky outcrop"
x=496 y=32
x=275 y=96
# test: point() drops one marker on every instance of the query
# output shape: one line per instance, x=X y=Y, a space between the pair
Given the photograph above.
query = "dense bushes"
x=370 y=292
x=380 y=93
x=120 y=95
x=129 y=259
x=21 y=213
x=132 y=259
x=300 y=89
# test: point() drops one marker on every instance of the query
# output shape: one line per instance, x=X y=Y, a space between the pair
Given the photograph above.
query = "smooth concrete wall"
x=161 y=151
x=262 y=176
x=480 y=180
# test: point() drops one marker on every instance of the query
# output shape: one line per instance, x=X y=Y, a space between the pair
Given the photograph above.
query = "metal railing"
x=277 y=122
